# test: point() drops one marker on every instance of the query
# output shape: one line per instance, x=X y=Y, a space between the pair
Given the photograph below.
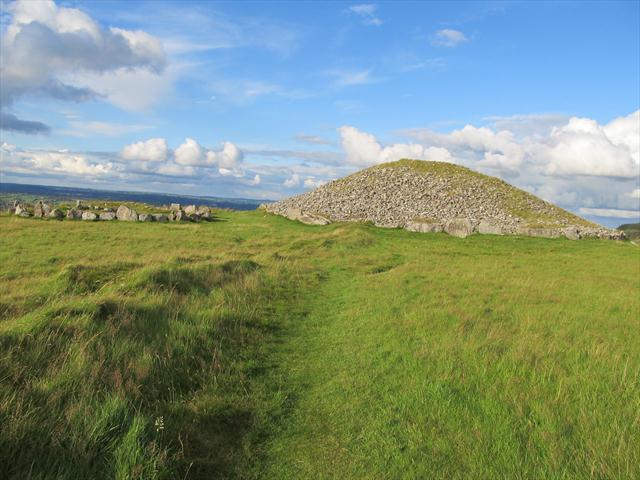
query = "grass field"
x=257 y=347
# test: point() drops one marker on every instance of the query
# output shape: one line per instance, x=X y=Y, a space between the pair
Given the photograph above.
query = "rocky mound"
x=435 y=196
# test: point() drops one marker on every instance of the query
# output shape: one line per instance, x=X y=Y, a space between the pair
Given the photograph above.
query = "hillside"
x=427 y=196
x=254 y=347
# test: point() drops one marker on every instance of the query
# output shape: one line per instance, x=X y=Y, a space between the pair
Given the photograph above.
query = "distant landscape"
x=9 y=192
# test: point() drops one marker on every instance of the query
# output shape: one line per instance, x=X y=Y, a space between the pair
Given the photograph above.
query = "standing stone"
x=488 y=228
x=459 y=227
x=89 y=216
x=126 y=214
x=56 y=214
x=145 y=217
x=107 y=215
x=174 y=207
x=41 y=210
x=21 y=211
x=180 y=216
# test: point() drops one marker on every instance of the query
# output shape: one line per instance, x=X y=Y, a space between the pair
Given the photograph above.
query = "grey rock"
x=145 y=217
x=21 y=211
x=56 y=214
x=306 y=217
x=89 y=216
x=459 y=227
x=40 y=209
x=540 y=232
x=160 y=217
x=424 y=227
x=126 y=214
x=180 y=216
x=73 y=214
x=489 y=228
x=572 y=233
x=108 y=216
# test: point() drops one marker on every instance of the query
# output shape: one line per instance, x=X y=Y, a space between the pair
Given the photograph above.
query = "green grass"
x=257 y=347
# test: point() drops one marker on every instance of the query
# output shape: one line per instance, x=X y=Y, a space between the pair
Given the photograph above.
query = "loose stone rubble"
x=435 y=197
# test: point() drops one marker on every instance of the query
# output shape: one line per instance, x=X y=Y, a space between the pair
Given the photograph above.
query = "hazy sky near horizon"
x=269 y=99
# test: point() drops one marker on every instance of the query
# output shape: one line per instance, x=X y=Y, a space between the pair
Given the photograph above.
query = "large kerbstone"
x=489 y=228
x=145 y=217
x=423 y=227
x=459 y=227
x=305 y=217
x=160 y=217
x=89 y=216
x=56 y=214
x=126 y=214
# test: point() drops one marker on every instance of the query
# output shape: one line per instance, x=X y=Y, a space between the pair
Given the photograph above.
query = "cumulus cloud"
x=583 y=147
x=44 y=43
x=363 y=149
x=152 y=150
x=448 y=38
x=313 y=183
x=53 y=162
x=292 y=181
x=367 y=13
x=255 y=181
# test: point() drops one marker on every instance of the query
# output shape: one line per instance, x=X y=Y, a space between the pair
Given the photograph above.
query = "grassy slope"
x=263 y=348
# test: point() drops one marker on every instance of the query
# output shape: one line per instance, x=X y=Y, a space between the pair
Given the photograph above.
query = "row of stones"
x=124 y=213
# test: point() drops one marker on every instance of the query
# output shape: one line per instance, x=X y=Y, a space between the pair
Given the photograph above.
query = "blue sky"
x=269 y=99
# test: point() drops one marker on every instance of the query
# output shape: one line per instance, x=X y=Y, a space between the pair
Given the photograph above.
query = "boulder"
x=21 y=211
x=459 y=227
x=107 y=215
x=56 y=214
x=306 y=217
x=489 y=228
x=89 y=216
x=126 y=214
x=190 y=209
x=572 y=233
x=145 y=217
x=423 y=227
x=40 y=209
x=180 y=216
x=160 y=217
x=540 y=232
x=73 y=214
x=174 y=207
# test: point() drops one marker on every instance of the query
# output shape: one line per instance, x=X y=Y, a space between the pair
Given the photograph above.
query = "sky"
x=270 y=99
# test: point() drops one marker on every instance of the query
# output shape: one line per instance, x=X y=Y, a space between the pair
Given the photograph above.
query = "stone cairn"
x=459 y=202
x=175 y=213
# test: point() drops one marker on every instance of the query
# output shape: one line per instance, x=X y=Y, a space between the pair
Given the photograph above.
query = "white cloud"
x=79 y=128
x=312 y=139
x=152 y=150
x=583 y=147
x=634 y=194
x=367 y=13
x=350 y=78
x=53 y=162
x=448 y=38
x=610 y=212
x=363 y=149
x=227 y=159
x=44 y=43
x=313 y=183
x=292 y=181
x=190 y=153
x=255 y=181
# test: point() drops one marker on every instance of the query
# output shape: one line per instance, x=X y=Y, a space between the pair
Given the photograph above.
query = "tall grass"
x=255 y=347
